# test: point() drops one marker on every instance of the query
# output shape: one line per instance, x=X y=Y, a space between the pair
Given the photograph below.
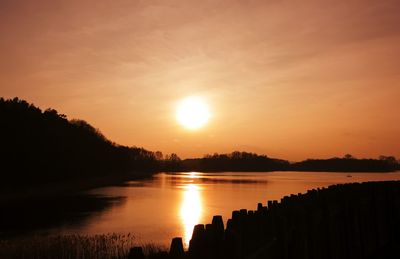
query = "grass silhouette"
x=105 y=246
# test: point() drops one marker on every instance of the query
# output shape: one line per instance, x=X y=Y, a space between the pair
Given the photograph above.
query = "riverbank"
x=68 y=187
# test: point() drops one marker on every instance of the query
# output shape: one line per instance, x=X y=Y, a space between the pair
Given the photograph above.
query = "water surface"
x=169 y=205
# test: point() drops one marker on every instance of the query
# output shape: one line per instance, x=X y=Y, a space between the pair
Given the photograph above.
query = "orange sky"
x=291 y=79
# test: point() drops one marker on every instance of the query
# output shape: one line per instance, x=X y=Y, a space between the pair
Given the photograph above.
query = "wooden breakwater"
x=359 y=220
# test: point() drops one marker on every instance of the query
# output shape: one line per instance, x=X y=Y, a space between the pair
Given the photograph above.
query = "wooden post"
x=176 y=250
x=136 y=253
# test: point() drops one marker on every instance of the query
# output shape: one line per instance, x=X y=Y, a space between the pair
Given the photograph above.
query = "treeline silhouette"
x=244 y=161
x=235 y=161
x=44 y=146
x=348 y=164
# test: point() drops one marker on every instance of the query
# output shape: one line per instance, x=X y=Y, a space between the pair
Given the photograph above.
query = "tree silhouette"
x=45 y=146
x=348 y=156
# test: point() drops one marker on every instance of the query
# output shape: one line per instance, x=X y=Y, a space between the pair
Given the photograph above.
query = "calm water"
x=169 y=205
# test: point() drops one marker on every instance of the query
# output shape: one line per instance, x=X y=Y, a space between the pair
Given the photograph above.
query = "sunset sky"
x=290 y=79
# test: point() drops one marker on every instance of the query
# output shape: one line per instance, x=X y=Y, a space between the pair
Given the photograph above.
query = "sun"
x=192 y=112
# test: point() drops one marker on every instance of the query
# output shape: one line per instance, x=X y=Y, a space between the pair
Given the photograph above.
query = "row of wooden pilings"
x=342 y=221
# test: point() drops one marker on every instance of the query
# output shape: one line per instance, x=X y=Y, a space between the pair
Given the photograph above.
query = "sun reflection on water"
x=191 y=210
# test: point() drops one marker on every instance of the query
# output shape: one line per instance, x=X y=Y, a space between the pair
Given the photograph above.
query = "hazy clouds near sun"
x=293 y=79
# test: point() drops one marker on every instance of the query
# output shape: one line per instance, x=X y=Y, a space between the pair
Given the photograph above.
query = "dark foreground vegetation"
x=45 y=148
x=108 y=246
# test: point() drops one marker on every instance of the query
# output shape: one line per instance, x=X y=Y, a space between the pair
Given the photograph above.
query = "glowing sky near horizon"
x=291 y=79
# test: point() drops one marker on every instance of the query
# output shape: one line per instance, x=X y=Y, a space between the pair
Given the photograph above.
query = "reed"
x=105 y=246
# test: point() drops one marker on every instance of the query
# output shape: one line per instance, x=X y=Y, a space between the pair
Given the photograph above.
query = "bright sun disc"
x=192 y=113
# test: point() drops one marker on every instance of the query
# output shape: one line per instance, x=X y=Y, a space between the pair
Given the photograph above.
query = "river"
x=169 y=205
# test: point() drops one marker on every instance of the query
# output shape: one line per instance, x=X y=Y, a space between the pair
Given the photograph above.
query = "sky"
x=290 y=79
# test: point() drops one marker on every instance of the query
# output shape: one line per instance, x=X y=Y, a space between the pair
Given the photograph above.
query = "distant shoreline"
x=250 y=162
x=272 y=171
